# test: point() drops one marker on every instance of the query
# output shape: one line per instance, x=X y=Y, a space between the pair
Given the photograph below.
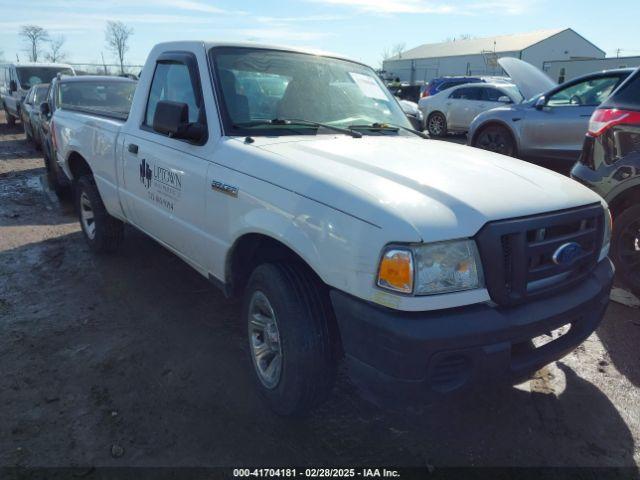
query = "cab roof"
x=285 y=48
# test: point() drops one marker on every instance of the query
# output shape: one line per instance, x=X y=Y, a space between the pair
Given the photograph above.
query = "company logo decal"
x=163 y=185
x=567 y=254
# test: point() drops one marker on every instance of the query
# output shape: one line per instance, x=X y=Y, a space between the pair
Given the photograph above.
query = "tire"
x=625 y=248
x=299 y=307
x=62 y=191
x=102 y=232
x=437 y=125
x=496 y=138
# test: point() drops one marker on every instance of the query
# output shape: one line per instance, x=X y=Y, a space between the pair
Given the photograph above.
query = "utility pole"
x=618 y=52
x=104 y=65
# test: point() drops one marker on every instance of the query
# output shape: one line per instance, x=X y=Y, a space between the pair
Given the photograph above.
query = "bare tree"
x=117 y=37
x=56 y=54
x=386 y=55
x=397 y=49
x=34 y=36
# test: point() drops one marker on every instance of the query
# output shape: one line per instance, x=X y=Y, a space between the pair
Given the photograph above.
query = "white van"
x=16 y=80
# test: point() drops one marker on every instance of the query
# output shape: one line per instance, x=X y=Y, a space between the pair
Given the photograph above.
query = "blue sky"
x=361 y=29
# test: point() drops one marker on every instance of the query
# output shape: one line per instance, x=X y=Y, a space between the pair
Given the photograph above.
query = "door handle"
x=133 y=148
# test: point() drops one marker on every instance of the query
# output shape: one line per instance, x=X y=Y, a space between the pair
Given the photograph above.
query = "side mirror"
x=13 y=86
x=504 y=99
x=44 y=109
x=172 y=119
x=541 y=103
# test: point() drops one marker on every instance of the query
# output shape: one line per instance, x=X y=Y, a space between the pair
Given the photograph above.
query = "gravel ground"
x=134 y=359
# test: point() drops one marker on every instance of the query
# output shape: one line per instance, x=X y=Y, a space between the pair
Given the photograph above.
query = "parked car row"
x=17 y=79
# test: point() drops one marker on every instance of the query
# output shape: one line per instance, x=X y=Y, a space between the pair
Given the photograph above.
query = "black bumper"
x=425 y=355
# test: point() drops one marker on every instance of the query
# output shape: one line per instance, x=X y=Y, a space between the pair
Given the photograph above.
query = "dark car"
x=437 y=85
x=30 y=112
x=610 y=165
x=108 y=96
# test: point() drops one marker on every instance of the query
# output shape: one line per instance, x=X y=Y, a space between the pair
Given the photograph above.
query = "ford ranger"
x=294 y=179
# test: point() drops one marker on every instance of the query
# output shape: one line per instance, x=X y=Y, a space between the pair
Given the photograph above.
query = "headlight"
x=430 y=269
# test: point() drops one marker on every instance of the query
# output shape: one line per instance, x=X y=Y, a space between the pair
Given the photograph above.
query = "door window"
x=589 y=93
x=492 y=94
x=173 y=82
x=467 y=94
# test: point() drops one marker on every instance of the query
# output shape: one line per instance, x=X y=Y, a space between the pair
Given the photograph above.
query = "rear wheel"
x=290 y=337
x=625 y=248
x=437 y=125
x=102 y=232
x=496 y=139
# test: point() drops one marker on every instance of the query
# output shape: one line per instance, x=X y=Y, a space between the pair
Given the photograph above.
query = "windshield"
x=259 y=85
x=30 y=76
x=104 y=96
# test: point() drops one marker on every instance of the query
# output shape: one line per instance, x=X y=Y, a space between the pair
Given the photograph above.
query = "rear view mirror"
x=541 y=103
x=13 y=86
x=504 y=99
x=44 y=109
x=172 y=119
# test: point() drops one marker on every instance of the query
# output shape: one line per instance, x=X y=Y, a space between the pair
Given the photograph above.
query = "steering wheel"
x=575 y=100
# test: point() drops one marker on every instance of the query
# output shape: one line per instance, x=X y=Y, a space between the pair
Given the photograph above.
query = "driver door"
x=557 y=128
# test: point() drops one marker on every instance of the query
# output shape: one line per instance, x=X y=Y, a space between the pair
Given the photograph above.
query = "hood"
x=530 y=80
x=443 y=191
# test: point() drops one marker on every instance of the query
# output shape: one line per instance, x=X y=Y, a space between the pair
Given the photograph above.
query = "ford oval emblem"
x=566 y=254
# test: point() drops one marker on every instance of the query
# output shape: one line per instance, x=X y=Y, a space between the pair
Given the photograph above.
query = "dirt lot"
x=134 y=359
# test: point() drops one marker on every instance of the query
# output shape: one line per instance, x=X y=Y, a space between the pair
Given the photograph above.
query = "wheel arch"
x=77 y=165
x=495 y=123
x=625 y=199
x=252 y=249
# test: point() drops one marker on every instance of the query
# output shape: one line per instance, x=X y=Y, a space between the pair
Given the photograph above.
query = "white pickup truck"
x=293 y=178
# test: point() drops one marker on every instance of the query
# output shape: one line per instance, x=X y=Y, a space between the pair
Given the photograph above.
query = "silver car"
x=454 y=109
x=550 y=125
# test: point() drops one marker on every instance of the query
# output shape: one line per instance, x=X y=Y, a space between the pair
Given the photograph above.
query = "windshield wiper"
x=293 y=121
x=390 y=127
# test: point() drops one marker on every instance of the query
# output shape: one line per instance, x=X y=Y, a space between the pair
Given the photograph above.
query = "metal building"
x=564 y=70
x=479 y=56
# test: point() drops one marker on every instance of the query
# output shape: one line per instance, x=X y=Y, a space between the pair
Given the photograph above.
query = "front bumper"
x=421 y=356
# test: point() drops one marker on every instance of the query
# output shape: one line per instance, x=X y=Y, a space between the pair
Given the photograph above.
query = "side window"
x=173 y=82
x=492 y=94
x=468 y=94
x=456 y=93
x=589 y=93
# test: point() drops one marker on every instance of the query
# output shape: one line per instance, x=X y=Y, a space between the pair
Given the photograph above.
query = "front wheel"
x=496 y=139
x=625 y=248
x=437 y=125
x=291 y=339
x=102 y=232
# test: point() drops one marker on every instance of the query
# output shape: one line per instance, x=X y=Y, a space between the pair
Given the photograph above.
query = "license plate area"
x=546 y=338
